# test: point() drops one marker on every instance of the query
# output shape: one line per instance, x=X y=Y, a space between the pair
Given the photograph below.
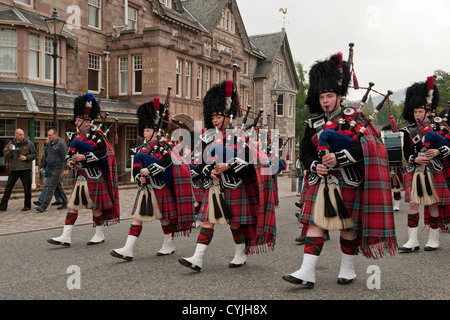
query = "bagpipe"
x=156 y=155
x=330 y=212
x=88 y=142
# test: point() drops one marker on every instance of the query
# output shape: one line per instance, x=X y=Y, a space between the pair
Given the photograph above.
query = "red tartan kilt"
x=440 y=184
x=241 y=202
x=198 y=194
x=350 y=197
x=166 y=203
x=98 y=191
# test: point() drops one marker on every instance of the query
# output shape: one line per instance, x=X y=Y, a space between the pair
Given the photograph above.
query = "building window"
x=217 y=76
x=166 y=3
x=37 y=129
x=208 y=79
x=178 y=79
x=291 y=105
x=245 y=69
x=279 y=71
x=199 y=81
x=123 y=75
x=280 y=105
x=132 y=19
x=227 y=21
x=34 y=54
x=94 y=69
x=28 y=2
x=8 y=52
x=188 y=79
x=137 y=74
x=48 y=58
x=47 y=126
x=94 y=8
x=7 y=127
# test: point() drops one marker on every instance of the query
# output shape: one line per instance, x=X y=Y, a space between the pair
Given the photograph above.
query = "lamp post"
x=274 y=95
x=55 y=26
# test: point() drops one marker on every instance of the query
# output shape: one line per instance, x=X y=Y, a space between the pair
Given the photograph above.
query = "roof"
x=19 y=16
x=33 y=99
x=179 y=15
x=207 y=15
x=269 y=44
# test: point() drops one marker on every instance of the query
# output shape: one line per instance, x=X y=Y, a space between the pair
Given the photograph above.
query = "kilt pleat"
x=350 y=197
x=98 y=191
x=440 y=184
x=166 y=203
x=241 y=203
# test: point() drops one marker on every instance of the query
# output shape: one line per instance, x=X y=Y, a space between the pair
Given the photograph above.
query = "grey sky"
x=397 y=42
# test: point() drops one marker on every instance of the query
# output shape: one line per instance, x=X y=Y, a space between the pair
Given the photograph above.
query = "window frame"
x=12 y=44
x=188 y=79
x=123 y=75
x=98 y=70
x=135 y=21
x=136 y=72
x=98 y=9
x=179 y=77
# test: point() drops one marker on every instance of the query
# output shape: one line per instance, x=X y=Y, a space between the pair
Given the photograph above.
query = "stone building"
x=127 y=52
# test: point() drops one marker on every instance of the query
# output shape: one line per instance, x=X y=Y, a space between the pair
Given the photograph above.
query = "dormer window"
x=166 y=3
x=227 y=21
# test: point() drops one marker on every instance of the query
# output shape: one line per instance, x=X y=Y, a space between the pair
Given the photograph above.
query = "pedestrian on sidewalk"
x=54 y=159
x=21 y=153
x=44 y=173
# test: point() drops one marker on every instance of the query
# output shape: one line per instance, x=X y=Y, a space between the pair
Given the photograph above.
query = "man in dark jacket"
x=54 y=159
x=21 y=153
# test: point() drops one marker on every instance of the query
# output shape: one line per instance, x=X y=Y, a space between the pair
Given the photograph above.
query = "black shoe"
x=115 y=254
x=38 y=203
x=39 y=209
x=234 y=265
x=407 y=250
x=64 y=244
x=304 y=284
x=299 y=204
x=344 y=281
x=25 y=209
x=56 y=203
x=300 y=239
x=428 y=248
x=188 y=264
x=62 y=207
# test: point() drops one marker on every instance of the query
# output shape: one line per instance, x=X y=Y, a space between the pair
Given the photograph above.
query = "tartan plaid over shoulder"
x=184 y=196
x=376 y=234
x=112 y=215
x=265 y=230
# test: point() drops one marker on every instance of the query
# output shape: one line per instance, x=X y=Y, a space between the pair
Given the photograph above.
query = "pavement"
x=14 y=221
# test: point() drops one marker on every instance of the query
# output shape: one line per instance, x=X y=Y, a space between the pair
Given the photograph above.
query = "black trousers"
x=25 y=177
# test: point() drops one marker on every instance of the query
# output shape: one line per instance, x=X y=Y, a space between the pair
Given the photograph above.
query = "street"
x=34 y=269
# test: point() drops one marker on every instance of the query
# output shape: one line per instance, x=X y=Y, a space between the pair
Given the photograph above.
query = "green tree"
x=301 y=110
x=443 y=85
